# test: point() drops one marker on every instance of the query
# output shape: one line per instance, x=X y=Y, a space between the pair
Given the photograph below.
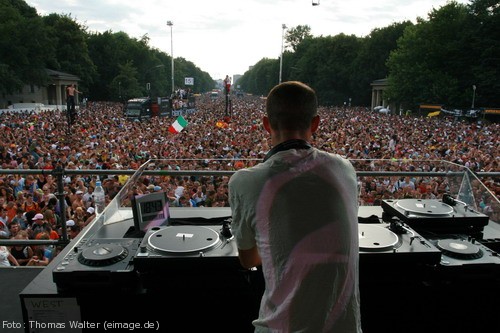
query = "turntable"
x=182 y=240
x=374 y=238
x=435 y=215
x=394 y=243
x=187 y=254
x=97 y=263
x=460 y=250
x=464 y=259
x=165 y=243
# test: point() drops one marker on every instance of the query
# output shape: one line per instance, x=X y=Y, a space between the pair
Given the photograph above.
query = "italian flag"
x=178 y=125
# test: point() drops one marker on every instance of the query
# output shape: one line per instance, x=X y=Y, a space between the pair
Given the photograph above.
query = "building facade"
x=54 y=93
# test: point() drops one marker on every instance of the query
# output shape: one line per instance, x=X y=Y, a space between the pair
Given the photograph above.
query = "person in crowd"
x=14 y=228
x=73 y=231
x=89 y=215
x=22 y=253
x=180 y=188
x=88 y=197
x=4 y=222
x=42 y=254
x=39 y=225
x=211 y=198
x=71 y=92
x=48 y=229
x=309 y=257
x=79 y=216
x=20 y=200
x=198 y=196
x=6 y=258
x=28 y=218
x=30 y=204
x=11 y=210
x=78 y=202
x=30 y=186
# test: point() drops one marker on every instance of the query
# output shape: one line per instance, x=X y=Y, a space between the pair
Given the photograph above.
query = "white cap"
x=70 y=223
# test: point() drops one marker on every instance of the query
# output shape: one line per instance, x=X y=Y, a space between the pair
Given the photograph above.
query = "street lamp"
x=283 y=27
x=170 y=24
x=148 y=84
x=473 y=95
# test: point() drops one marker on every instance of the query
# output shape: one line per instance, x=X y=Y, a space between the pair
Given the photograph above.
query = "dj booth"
x=425 y=266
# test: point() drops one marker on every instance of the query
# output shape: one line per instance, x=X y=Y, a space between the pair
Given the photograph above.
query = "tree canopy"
x=111 y=65
x=440 y=59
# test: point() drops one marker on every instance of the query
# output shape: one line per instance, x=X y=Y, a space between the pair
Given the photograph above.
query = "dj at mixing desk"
x=390 y=278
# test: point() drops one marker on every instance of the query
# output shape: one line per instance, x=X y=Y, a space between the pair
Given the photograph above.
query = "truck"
x=144 y=108
x=214 y=94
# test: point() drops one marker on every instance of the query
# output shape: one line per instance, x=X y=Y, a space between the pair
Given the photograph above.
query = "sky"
x=226 y=37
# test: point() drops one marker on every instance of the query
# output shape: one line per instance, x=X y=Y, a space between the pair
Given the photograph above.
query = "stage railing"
x=460 y=181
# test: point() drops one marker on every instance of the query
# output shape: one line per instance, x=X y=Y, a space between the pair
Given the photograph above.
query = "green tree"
x=70 y=41
x=125 y=85
x=326 y=64
x=486 y=66
x=433 y=61
x=437 y=60
x=295 y=36
x=25 y=48
x=109 y=51
x=261 y=78
x=370 y=63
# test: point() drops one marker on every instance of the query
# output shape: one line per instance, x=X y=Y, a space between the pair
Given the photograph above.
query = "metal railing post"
x=58 y=173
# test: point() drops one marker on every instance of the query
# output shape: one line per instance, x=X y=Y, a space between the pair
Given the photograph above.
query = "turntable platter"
x=374 y=238
x=103 y=254
x=459 y=249
x=425 y=207
x=183 y=240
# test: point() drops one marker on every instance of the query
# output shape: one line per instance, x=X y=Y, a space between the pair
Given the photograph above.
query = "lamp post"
x=473 y=95
x=148 y=84
x=283 y=27
x=170 y=24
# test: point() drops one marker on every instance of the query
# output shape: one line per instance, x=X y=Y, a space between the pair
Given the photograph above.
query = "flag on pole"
x=178 y=125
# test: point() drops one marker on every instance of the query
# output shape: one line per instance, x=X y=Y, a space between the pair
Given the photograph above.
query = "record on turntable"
x=183 y=240
x=374 y=238
x=424 y=207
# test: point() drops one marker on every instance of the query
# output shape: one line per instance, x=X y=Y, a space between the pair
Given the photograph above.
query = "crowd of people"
x=102 y=138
